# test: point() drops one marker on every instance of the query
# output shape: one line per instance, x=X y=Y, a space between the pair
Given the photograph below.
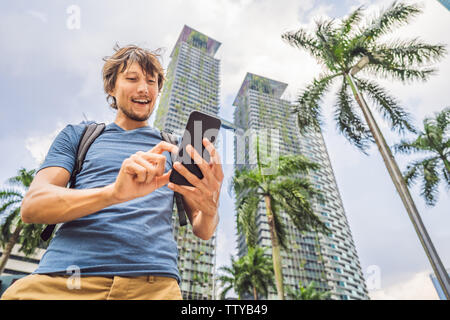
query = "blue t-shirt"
x=128 y=239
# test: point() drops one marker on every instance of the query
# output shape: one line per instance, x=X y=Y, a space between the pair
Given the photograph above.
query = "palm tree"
x=338 y=46
x=308 y=293
x=251 y=274
x=13 y=230
x=256 y=271
x=229 y=279
x=434 y=140
x=286 y=190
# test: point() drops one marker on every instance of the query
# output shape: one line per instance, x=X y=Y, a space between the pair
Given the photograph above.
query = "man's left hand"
x=204 y=195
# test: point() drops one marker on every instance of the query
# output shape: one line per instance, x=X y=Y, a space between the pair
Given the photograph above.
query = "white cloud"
x=417 y=287
x=38 y=145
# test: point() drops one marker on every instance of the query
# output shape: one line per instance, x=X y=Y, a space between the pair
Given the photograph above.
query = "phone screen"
x=200 y=125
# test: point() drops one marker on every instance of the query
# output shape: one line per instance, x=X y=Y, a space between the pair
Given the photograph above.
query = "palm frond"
x=293 y=196
x=12 y=220
x=30 y=238
x=395 y=71
x=310 y=292
x=431 y=181
x=258 y=269
x=295 y=164
x=246 y=220
x=349 y=122
x=408 y=147
x=446 y=174
x=11 y=194
x=436 y=134
x=23 y=179
x=307 y=105
x=227 y=277
x=406 y=53
x=329 y=42
x=6 y=208
x=412 y=172
x=246 y=183
x=348 y=24
x=427 y=169
x=280 y=227
x=396 y=15
x=11 y=201
x=302 y=39
x=433 y=140
x=443 y=120
x=389 y=107
x=225 y=289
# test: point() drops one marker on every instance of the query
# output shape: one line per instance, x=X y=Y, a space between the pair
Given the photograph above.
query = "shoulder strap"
x=168 y=137
x=90 y=133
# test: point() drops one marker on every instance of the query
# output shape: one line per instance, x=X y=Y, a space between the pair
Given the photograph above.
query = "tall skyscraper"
x=329 y=260
x=192 y=84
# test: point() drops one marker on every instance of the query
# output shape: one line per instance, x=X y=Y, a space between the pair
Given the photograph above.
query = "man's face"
x=136 y=92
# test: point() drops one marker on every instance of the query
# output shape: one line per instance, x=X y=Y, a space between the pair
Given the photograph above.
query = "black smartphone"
x=199 y=125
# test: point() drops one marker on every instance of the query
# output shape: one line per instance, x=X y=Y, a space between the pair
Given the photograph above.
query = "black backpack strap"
x=47 y=233
x=178 y=197
x=90 y=133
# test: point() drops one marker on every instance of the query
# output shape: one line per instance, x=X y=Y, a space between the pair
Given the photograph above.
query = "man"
x=116 y=239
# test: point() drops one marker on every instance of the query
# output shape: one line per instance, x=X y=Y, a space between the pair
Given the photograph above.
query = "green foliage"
x=252 y=273
x=10 y=202
x=261 y=85
x=434 y=141
x=309 y=292
x=288 y=189
x=349 y=121
x=284 y=189
x=198 y=40
x=339 y=45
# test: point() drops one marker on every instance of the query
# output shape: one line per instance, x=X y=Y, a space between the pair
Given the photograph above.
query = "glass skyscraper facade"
x=329 y=260
x=192 y=84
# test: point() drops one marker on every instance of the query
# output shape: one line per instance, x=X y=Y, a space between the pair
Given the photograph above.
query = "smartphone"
x=199 y=125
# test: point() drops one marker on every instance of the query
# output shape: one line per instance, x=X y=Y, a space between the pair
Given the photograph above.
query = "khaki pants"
x=47 y=287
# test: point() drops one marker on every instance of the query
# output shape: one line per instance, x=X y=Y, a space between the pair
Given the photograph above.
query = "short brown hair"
x=148 y=60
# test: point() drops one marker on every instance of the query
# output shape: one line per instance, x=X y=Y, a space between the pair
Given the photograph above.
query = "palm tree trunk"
x=276 y=256
x=255 y=293
x=12 y=241
x=403 y=191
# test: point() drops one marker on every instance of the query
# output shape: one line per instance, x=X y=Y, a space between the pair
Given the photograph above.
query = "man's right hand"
x=142 y=173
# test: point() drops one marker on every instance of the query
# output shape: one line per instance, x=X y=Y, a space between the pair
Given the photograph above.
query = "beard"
x=132 y=115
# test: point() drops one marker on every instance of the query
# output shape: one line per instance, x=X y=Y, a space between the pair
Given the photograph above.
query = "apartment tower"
x=192 y=84
x=329 y=260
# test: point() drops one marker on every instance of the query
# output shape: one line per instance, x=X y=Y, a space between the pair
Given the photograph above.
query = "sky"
x=50 y=76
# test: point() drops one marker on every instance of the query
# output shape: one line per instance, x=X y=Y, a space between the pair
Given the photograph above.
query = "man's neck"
x=128 y=124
